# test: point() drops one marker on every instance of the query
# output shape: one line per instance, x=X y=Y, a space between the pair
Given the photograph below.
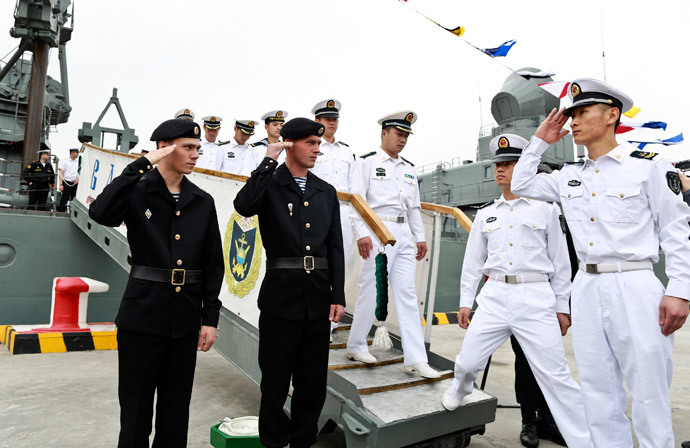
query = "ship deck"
x=70 y=399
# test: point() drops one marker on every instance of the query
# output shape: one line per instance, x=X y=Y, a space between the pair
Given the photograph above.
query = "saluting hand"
x=274 y=149
x=673 y=311
x=551 y=129
x=157 y=154
x=684 y=181
x=464 y=317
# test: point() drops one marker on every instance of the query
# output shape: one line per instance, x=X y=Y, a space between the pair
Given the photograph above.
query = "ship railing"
x=431 y=167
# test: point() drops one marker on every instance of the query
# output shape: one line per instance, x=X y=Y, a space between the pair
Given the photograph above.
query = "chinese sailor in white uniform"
x=620 y=204
x=388 y=183
x=237 y=156
x=520 y=245
x=209 y=154
x=273 y=123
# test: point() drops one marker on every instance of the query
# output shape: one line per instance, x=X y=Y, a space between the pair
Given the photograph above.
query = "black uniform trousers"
x=149 y=364
x=68 y=193
x=527 y=391
x=38 y=196
x=298 y=350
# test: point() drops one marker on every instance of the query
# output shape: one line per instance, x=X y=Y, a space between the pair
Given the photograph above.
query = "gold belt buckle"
x=308 y=263
x=172 y=277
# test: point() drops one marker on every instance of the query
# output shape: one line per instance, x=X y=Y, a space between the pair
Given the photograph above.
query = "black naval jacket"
x=313 y=229
x=140 y=198
x=38 y=174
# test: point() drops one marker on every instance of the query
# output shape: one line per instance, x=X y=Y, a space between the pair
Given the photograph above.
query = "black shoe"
x=685 y=445
x=548 y=430
x=528 y=435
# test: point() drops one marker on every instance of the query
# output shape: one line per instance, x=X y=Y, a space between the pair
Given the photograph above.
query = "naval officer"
x=520 y=245
x=620 y=204
x=236 y=154
x=210 y=154
x=273 y=123
x=68 y=178
x=336 y=162
x=39 y=175
x=184 y=114
x=170 y=306
x=303 y=289
x=388 y=183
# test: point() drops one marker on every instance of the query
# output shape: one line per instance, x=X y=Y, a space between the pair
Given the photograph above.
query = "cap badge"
x=213 y=119
x=250 y=124
x=320 y=131
x=331 y=104
x=409 y=117
x=186 y=111
x=575 y=90
x=279 y=114
x=503 y=143
x=196 y=130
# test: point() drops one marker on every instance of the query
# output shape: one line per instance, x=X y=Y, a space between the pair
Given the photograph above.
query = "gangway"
x=377 y=405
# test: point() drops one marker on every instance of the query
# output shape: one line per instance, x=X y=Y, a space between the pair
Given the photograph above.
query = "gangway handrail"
x=368 y=215
x=458 y=214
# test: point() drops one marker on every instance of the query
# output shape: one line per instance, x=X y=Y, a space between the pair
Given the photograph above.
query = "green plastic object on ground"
x=221 y=440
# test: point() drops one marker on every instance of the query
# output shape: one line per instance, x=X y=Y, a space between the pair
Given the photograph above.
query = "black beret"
x=176 y=128
x=298 y=128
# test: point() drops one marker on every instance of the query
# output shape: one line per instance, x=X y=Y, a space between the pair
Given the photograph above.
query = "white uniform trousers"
x=346 y=226
x=528 y=311
x=616 y=337
x=401 y=275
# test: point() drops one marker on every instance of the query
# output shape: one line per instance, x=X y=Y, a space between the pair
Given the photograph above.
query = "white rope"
x=240 y=426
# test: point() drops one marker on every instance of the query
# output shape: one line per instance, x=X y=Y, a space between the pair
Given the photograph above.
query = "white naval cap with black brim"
x=401 y=120
x=326 y=108
x=246 y=126
x=586 y=91
x=507 y=147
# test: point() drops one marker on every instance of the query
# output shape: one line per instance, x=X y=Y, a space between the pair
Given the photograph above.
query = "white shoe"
x=450 y=401
x=423 y=369
x=364 y=357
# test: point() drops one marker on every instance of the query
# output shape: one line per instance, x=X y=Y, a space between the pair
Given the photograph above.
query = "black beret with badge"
x=506 y=147
x=175 y=128
x=586 y=91
x=401 y=120
x=298 y=128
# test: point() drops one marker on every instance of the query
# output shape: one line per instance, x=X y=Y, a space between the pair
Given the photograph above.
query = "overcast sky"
x=239 y=59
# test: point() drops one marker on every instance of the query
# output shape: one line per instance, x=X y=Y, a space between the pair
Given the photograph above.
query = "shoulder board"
x=259 y=143
x=343 y=143
x=643 y=155
x=223 y=143
x=407 y=160
x=364 y=156
x=485 y=205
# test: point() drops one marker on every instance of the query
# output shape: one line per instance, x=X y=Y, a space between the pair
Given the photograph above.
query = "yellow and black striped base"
x=33 y=342
x=445 y=318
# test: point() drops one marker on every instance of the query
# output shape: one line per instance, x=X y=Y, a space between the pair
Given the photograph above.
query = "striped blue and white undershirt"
x=301 y=182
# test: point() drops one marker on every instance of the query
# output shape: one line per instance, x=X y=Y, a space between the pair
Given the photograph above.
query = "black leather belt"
x=307 y=263
x=176 y=277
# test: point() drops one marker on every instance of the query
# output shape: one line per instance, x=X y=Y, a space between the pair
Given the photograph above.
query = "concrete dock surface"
x=70 y=399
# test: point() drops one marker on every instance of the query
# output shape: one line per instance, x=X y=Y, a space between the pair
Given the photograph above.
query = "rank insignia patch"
x=673 y=181
x=231 y=155
x=491 y=219
x=574 y=183
x=409 y=176
x=242 y=253
x=643 y=155
x=380 y=170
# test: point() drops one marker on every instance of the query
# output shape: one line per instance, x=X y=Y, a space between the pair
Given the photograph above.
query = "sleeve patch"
x=673 y=181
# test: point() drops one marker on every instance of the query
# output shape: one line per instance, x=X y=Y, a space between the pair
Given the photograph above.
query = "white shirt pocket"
x=623 y=204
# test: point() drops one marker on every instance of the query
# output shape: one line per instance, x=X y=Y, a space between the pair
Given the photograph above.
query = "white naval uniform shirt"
x=259 y=152
x=515 y=237
x=618 y=208
x=236 y=158
x=209 y=156
x=335 y=164
x=390 y=188
x=69 y=169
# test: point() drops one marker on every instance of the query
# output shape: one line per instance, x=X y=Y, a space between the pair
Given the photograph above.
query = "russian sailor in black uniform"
x=170 y=307
x=303 y=290
x=40 y=175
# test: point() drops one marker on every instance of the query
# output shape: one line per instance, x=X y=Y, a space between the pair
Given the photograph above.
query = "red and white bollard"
x=70 y=300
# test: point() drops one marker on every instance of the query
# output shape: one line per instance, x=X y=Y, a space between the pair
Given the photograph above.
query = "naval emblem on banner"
x=242 y=252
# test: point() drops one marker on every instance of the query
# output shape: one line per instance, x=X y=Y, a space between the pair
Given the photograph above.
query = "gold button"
x=594 y=193
x=177 y=237
x=271 y=161
x=306 y=203
x=307 y=225
x=511 y=209
x=511 y=226
x=510 y=263
x=622 y=195
x=179 y=262
x=568 y=195
x=308 y=272
x=177 y=213
x=148 y=167
x=266 y=166
x=596 y=170
x=308 y=247
x=489 y=229
x=141 y=171
x=591 y=219
x=511 y=244
x=591 y=243
x=178 y=289
x=534 y=227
